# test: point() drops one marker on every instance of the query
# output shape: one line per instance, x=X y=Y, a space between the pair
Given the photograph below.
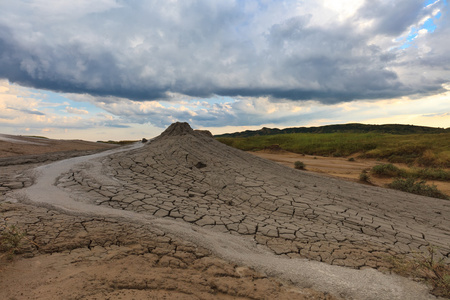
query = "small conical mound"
x=204 y=132
x=177 y=129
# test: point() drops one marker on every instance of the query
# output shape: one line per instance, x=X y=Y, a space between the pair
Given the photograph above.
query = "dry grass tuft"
x=10 y=240
x=429 y=267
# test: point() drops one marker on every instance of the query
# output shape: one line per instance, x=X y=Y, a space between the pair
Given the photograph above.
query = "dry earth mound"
x=25 y=149
x=190 y=177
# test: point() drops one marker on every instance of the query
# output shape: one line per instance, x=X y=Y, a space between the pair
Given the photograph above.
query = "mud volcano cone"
x=189 y=176
x=177 y=129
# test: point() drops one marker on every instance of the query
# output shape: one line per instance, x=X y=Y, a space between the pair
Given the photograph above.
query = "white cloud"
x=22 y=110
x=77 y=111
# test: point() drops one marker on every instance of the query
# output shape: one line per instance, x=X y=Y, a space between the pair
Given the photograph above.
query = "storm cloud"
x=148 y=50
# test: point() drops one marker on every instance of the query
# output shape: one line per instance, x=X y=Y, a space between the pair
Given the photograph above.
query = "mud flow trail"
x=311 y=231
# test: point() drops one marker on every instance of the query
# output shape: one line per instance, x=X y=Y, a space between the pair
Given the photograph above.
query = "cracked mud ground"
x=187 y=176
x=190 y=177
x=98 y=258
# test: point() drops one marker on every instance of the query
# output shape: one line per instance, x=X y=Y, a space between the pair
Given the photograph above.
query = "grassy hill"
x=342 y=128
x=431 y=149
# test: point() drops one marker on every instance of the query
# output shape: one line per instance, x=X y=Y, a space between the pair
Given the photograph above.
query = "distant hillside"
x=348 y=128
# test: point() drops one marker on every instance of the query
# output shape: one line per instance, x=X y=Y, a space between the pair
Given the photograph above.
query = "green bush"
x=364 y=177
x=299 y=165
x=387 y=170
x=410 y=185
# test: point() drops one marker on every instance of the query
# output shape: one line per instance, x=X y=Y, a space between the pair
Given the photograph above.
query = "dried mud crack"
x=100 y=258
x=184 y=188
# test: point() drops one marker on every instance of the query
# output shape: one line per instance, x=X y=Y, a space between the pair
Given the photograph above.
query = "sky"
x=127 y=69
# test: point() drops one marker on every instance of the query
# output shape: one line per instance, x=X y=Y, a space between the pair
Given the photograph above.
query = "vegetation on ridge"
x=343 y=128
x=426 y=150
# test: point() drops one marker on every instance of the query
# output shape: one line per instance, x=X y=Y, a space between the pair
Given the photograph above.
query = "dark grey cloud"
x=145 y=50
x=392 y=17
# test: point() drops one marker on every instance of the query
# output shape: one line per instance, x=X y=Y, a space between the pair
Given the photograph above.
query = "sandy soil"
x=11 y=146
x=185 y=217
x=338 y=167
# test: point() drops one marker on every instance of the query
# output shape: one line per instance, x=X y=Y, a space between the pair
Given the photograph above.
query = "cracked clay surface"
x=192 y=178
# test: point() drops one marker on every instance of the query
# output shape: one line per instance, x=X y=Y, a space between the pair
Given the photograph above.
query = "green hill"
x=342 y=128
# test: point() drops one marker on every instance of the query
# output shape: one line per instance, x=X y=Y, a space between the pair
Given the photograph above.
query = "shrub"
x=431 y=174
x=10 y=239
x=299 y=165
x=427 y=159
x=388 y=170
x=419 y=188
x=364 y=177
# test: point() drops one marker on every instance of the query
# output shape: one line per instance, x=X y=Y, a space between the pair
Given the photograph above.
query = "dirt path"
x=249 y=211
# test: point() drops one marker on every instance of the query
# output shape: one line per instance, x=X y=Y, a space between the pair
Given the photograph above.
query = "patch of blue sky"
x=52 y=100
x=427 y=25
x=428 y=2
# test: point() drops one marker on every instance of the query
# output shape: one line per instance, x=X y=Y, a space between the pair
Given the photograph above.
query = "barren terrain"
x=186 y=217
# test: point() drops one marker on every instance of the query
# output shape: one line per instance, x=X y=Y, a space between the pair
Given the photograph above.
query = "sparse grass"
x=429 y=267
x=299 y=165
x=426 y=150
x=410 y=185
